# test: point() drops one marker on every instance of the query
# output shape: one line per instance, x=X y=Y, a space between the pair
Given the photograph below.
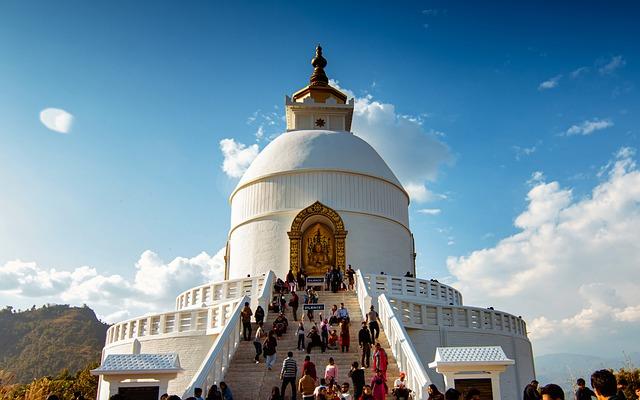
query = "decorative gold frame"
x=295 y=234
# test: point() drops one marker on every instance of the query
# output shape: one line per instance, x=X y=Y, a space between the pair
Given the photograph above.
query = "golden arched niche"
x=317 y=240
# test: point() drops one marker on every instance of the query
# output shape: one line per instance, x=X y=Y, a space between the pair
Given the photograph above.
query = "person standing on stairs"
x=357 y=378
x=380 y=361
x=259 y=314
x=300 y=333
x=269 y=349
x=246 y=314
x=372 y=319
x=288 y=375
x=379 y=386
x=331 y=372
x=293 y=303
x=351 y=273
x=306 y=385
x=365 y=341
x=345 y=336
x=257 y=341
x=308 y=367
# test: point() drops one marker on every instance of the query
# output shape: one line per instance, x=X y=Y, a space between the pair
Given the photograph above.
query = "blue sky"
x=153 y=88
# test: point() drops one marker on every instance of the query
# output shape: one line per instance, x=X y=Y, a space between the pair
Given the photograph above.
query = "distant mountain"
x=565 y=368
x=44 y=341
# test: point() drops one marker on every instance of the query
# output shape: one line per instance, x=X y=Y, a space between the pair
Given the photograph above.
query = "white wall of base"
x=512 y=381
x=373 y=244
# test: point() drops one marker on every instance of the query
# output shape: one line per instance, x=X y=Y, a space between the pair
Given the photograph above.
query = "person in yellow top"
x=306 y=386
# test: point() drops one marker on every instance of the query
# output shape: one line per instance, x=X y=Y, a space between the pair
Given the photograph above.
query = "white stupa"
x=319 y=197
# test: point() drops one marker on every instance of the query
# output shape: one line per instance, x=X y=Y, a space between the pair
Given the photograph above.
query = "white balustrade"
x=400 y=286
x=221 y=353
x=212 y=292
x=422 y=315
x=207 y=320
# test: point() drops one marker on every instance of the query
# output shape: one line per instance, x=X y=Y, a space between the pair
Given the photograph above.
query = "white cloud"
x=430 y=211
x=153 y=287
x=614 y=64
x=550 y=83
x=56 y=119
x=413 y=152
x=572 y=267
x=419 y=193
x=578 y=72
x=237 y=157
x=588 y=127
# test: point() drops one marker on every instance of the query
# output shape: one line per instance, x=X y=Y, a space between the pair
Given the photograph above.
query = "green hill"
x=45 y=341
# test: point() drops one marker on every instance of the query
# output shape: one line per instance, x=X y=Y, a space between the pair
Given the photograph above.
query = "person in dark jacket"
x=583 y=392
x=259 y=315
x=531 y=391
x=365 y=342
x=603 y=383
x=357 y=378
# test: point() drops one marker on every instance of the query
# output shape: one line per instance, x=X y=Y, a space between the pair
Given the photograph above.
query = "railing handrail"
x=362 y=290
x=221 y=353
x=254 y=282
x=403 y=350
x=411 y=287
x=198 y=320
x=475 y=318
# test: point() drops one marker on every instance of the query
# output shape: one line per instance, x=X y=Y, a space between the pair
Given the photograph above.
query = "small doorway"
x=140 y=392
x=482 y=384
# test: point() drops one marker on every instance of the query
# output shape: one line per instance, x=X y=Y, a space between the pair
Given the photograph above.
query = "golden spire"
x=319 y=77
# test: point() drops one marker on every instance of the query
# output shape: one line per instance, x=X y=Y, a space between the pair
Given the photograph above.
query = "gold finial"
x=319 y=77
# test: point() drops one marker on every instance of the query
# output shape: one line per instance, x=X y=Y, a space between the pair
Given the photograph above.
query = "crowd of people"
x=604 y=386
x=332 y=332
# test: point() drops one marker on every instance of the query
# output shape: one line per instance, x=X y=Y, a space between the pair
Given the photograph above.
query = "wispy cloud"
x=550 y=83
x=56 y=119
x=521 y=152
x=430 y=211
x=587 y=127
x=576 y=73
x=614 y=64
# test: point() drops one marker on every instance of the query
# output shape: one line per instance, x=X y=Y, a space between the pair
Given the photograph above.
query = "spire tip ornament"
x=319 y=77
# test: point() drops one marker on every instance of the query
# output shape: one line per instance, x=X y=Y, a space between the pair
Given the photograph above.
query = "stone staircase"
x=248 y=380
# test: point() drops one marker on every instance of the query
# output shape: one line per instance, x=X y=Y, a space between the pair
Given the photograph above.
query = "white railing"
x=364 y=295
x=217 y=361
x=422 y=315
x=204 y=295
x=400 y=286
x=207 y=320
x=405 y=354
x=196 y=321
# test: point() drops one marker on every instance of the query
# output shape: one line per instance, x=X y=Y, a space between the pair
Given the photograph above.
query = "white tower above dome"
x=319 y=105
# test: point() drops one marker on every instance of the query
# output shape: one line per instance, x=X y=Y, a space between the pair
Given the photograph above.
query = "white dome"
x=318 y=150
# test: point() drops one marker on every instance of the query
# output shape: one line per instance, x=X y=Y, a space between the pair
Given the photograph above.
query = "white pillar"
x=495 y=385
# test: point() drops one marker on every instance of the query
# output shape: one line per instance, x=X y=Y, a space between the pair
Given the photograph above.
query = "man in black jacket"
x=365 y=341
x=531 y=391
x=357 y=377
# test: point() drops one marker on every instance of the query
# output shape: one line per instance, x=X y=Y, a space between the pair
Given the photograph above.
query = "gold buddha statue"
x=319 y=250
